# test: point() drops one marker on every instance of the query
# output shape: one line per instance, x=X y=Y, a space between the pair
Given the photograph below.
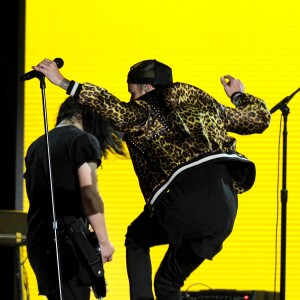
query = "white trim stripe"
x=74 y=88
x=198 y=162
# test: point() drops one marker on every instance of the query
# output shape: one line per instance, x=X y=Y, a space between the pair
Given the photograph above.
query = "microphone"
x=283 y=102
x=37 y=74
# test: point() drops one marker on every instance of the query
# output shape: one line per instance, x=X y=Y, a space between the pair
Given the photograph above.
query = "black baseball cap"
x=150 y=71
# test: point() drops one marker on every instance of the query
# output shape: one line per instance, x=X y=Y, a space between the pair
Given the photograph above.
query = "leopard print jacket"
x=180 y=127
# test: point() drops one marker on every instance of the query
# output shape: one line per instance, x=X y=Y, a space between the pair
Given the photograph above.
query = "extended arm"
x=251 y=114
x=94 y=207
x=123 y=115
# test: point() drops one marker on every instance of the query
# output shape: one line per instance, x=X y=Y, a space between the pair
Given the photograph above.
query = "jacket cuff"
x=235 y=97
x=74 y=88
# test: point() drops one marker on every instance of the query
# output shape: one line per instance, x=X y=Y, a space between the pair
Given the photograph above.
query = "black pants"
x=193 y=218
x=71 y=291
x=176 y=266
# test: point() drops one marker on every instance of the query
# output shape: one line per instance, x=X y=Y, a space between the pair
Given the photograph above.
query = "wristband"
x=73 y=88
x=234 y=96
x=70 y=87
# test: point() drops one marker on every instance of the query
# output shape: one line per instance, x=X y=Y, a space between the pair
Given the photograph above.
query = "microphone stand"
x=43 y=86
x=284 y=197
x=282 y=105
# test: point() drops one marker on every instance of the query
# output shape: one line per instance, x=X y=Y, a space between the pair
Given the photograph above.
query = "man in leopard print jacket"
x=187 y=164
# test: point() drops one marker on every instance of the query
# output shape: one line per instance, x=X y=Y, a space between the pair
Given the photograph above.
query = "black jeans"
x=176 y=266
x=193 y=217
x=71 y=291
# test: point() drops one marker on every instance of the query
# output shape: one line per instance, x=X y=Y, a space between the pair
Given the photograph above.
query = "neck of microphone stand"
x=283 y=102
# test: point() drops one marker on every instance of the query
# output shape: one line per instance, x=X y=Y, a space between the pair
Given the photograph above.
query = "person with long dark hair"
x=77 y=145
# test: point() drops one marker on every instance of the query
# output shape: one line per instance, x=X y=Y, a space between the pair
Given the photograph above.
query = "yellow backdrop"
x=256 y=41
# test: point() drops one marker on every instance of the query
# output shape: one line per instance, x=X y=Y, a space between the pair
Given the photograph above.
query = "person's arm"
x=122 y=115
x=250 y=114
x=94 y=207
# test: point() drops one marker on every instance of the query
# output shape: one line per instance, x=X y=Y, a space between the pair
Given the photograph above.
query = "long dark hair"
x=109 y=138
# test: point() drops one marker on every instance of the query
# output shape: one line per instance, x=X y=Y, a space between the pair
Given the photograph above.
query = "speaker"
x=230 y=295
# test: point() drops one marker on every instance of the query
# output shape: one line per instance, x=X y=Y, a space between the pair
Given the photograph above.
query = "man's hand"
x=107 y=250
x=231 y=85
x=50 y=70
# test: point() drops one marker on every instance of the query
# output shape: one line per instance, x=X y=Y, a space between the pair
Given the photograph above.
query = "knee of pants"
x=129 y=242
x=132 y=246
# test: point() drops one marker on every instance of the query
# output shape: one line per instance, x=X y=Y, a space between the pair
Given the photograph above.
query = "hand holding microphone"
x=48 y=68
